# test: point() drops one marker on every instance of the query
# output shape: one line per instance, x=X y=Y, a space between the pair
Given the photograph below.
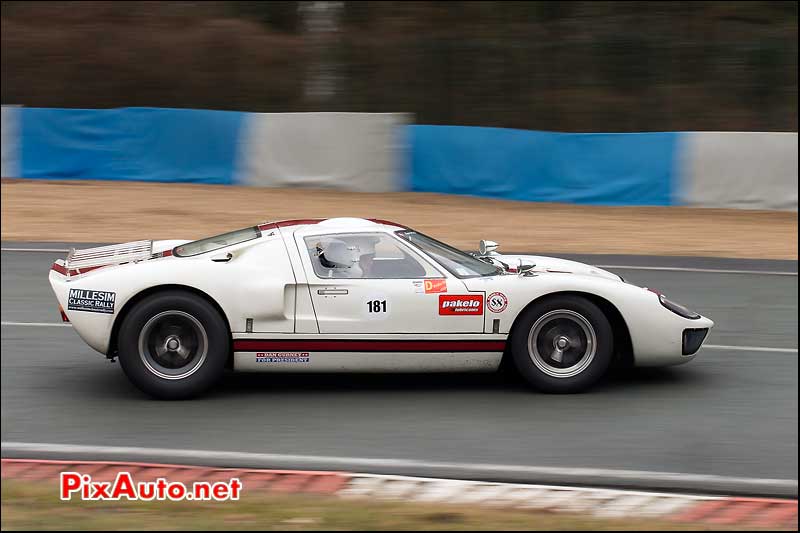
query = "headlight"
x=677 y=308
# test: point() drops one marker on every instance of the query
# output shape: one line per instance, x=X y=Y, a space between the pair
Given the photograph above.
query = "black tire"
x=570 y=325
x=173 y=345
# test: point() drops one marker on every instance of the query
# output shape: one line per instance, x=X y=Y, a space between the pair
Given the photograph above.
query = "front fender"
x=553 y=264
x=656 y=333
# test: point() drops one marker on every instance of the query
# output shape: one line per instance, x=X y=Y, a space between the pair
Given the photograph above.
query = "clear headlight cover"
x=677 y=308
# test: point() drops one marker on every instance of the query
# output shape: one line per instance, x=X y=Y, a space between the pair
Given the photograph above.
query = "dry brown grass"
x=87 y=211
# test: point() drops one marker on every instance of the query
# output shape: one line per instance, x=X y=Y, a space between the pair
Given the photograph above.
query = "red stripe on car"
x=387 y=223
x=285 y=223
x=246 y=345
x=75 y=272
x=302 y=221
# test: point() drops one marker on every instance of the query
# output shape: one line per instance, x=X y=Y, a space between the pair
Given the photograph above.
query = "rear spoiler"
x=82 y=261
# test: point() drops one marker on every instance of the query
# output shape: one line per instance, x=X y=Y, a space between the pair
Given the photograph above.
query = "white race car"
x=357 y=295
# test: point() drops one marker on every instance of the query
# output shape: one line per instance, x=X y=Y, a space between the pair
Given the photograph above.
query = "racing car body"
x=349 y=294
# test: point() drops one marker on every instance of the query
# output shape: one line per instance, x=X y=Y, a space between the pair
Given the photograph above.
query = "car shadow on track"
x=108 y=383
x=631 y=379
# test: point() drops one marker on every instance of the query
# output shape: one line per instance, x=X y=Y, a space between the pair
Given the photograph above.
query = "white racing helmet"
x=339 y=255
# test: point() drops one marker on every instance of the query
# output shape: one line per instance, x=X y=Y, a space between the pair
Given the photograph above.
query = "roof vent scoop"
x=347 y=222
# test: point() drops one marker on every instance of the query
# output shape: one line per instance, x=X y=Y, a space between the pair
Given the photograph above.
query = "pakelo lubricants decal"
x=459 y=305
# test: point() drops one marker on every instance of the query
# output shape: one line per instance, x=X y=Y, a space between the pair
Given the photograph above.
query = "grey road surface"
x=728 y=413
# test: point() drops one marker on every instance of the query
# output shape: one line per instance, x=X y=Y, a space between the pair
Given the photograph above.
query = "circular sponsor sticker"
x=497 y=302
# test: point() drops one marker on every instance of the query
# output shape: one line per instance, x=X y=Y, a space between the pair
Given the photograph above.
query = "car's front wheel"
x=562 y=344
x=173 y=345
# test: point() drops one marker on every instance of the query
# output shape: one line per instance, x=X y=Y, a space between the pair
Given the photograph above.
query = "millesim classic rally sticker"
x=91 y=301
x=496 y=302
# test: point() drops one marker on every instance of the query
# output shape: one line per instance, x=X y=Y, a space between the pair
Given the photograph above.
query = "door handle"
x=332 y=292
x=222 y=258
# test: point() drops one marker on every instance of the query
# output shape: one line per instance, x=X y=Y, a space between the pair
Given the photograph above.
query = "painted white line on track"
x=749 y=348
x=705 y=270
x=38 y=324
x=304 y=462
x=46 y=250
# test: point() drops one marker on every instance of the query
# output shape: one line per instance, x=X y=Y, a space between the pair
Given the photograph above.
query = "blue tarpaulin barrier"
x=144 y=144
x=591 y=168
x=203 y=146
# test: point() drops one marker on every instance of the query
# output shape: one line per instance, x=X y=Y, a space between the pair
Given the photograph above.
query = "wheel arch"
x=141 y=295
x=623 y=346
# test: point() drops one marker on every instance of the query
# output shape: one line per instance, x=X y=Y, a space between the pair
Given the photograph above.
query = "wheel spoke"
x=183 y=351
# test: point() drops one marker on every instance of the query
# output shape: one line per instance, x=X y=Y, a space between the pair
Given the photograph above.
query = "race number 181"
x=377 y=306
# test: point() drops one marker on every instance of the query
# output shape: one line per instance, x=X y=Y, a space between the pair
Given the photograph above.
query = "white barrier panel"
x=348 y=151
x=744 y=170
x=9 y=142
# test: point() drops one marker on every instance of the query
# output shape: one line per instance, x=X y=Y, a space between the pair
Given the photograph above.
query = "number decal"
x=377 y=306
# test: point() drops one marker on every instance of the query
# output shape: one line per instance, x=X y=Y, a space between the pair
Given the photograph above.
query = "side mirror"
x=487 y=247
x=523 y=269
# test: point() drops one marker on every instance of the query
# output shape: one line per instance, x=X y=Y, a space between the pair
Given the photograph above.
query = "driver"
x=340 y=259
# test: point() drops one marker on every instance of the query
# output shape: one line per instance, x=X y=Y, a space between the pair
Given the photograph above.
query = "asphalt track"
x=731 y=413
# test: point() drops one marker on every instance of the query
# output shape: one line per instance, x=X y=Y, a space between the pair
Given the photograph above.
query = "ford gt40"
x=358 y=295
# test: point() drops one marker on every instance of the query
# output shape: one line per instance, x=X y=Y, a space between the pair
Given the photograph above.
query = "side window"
x=364 y=256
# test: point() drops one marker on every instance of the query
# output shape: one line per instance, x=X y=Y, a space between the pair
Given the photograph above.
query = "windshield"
x=210 y=244
x=458 y=263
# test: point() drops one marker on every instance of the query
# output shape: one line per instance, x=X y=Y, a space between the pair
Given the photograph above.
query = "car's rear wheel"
x=173 y=345
x=562 y=344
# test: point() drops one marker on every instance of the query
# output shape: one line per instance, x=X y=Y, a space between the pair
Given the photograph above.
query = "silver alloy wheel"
x=173 y=345
x=562 y=343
